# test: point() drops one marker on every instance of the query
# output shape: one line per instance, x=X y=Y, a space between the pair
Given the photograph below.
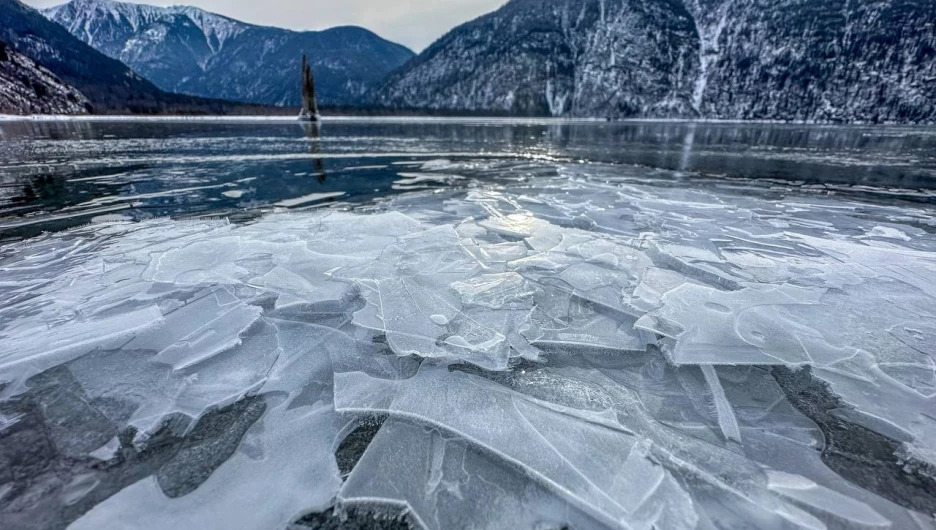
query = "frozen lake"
x=466 y=324
x=58 y=174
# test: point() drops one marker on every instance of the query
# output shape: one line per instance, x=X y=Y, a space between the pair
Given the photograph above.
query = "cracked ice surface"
x=581 y=351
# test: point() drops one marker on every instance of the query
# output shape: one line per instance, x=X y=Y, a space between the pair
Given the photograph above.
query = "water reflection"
x=46 y=189
x=687 y=147
x=313 y=133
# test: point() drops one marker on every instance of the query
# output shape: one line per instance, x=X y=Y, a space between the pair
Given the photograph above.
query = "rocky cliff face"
x=28 y=88
x=187 y=50
x=822 y=60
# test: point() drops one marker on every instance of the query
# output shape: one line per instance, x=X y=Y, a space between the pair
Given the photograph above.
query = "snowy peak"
x=216 y=28
x=185 y=49
x=109 y=85
x=84 y=13
x=91 y=20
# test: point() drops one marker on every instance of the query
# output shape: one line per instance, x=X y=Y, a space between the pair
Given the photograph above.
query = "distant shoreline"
x=416 y=118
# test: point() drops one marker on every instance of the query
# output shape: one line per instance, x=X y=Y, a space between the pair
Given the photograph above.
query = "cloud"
x=413 y=23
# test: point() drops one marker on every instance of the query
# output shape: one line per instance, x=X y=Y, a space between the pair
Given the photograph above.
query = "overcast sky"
x=414 y=23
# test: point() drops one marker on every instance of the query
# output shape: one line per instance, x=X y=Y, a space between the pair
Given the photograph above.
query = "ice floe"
x=575 y=351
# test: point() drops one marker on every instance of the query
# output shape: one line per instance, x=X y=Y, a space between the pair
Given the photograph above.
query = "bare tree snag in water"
x=309 y=110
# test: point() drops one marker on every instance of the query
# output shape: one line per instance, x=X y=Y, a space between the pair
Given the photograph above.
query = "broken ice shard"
x=592 y=351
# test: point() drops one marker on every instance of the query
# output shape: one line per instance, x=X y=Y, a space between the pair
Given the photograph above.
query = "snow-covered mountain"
x=187 y=50
x=28 y=88
x=110 y=85
x=823 y=60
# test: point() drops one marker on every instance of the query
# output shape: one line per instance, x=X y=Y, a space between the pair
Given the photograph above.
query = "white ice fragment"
x=495 y=291
x=655 y=283
x=111 y=218
x=432 y=475
x=441 y=320
x=293 y=287
x=888 y=232
x=563 y=322
x=516 y=226
x=740 y=327
x=289 y=455
x=800 y=518
x=406 y=310
x=218 y=333
x=296 y=472
x=414 y=180
x=7 y=421
x=587 y=475
x=107 y=451
x=79 y=487
x=39 y=349
x=199 y=262
x=349 y=236
x=726 y=416
x=503 y=252
x=310 y=198
x=813 y=496
x=639 y=478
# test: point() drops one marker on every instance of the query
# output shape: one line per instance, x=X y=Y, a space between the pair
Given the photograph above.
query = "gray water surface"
x=59 y=174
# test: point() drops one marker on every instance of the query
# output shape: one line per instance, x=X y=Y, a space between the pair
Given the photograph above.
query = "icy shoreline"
x=622 y=347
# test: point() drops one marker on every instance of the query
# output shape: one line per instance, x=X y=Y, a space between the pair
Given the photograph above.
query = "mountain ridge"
x=188 y=50
x=110 y=85
x=105 y=81
x=791 y=60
